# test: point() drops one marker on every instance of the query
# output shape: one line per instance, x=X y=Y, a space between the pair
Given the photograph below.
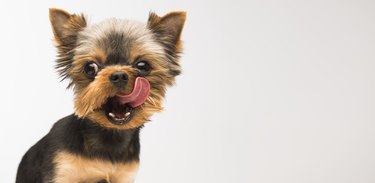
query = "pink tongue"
x=138 y=95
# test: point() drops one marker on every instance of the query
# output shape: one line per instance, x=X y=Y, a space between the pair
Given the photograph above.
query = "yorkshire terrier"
x=119 y=71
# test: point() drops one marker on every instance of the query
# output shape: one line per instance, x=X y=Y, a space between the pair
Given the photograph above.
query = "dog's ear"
x=168 y=28
x=65 y=26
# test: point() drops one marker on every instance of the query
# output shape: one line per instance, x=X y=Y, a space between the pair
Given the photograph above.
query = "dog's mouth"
x=116 y=112
x=119 y=109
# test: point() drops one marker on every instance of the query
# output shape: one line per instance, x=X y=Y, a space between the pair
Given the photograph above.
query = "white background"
x=272 y=91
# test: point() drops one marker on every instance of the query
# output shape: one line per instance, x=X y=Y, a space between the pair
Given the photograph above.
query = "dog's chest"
x=78 y=169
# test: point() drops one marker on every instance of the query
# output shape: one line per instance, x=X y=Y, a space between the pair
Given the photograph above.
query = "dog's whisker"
x=151 y=100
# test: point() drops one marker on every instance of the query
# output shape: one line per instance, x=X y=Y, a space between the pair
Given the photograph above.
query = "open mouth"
x=116 y=112
x=119 y=109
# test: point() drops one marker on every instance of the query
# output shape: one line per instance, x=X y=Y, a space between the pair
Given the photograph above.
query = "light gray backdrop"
x=273 y=91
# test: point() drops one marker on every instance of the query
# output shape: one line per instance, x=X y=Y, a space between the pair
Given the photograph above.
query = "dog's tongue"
x=138 y=95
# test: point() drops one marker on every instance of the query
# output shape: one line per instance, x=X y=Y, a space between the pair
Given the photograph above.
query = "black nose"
x=119 y=78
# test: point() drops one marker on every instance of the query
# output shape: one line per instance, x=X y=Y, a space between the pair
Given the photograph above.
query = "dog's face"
x=119 y=69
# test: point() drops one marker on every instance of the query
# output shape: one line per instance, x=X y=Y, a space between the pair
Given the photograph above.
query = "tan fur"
x=99 y=55
x=89 y=100
x=157 y=42
x=90 y=95
x=95 y=94
x=76 y=169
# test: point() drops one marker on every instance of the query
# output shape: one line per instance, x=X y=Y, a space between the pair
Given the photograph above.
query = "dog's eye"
x=143 y=66
x=91 y=69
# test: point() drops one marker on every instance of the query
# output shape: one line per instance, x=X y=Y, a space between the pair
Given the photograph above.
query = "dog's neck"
x=111 y=144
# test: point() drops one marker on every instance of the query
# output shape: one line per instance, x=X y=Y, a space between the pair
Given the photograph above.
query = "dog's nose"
x=119 y=78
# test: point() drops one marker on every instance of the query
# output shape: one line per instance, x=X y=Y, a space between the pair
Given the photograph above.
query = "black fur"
x=78 y=136
x=81 y=136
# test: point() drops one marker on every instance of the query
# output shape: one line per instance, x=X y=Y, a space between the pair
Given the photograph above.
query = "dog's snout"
x=119 y=78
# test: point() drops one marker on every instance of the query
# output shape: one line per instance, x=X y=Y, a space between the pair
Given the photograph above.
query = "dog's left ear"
x=168 y=28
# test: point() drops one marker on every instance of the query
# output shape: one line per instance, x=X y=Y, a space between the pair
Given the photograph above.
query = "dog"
x=119 y=71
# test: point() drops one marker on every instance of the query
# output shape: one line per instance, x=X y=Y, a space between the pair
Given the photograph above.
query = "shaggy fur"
x=88 y=146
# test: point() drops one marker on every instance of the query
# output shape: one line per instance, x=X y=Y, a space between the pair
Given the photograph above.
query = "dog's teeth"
x=119 y=119
x=112 y=115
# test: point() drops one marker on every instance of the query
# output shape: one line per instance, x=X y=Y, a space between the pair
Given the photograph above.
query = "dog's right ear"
x=66 y=26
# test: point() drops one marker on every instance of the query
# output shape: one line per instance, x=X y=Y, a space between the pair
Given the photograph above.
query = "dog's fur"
x=87 y=146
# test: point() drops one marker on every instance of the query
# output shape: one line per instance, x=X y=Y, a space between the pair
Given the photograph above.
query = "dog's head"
x=119 y=69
